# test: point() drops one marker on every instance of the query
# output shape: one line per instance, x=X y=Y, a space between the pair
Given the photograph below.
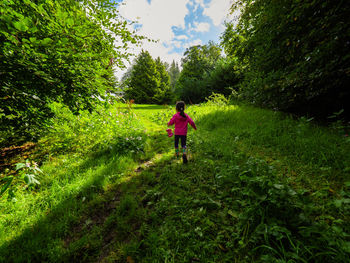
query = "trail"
x=135 y=183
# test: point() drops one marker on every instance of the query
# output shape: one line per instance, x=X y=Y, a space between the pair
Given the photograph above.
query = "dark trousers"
x=183 y=141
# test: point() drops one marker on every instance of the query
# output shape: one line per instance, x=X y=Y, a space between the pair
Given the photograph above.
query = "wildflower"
x=127 y=138
x=139 y=138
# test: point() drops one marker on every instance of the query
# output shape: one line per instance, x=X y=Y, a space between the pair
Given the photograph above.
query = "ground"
x=250 y=192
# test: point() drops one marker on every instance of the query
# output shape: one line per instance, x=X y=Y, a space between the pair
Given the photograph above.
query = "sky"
x=176 y=24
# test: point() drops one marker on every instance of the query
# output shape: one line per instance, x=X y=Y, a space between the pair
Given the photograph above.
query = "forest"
x=88 y=173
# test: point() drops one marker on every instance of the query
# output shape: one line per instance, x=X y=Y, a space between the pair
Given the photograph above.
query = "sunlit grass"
x=259 y=186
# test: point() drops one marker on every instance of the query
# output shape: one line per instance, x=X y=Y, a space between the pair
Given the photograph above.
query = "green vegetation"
x=96 y=179
x=174 y=73
x=259 y=186
x=148 y=81
x=204 y=72
x=295 y=54
x=61 y=51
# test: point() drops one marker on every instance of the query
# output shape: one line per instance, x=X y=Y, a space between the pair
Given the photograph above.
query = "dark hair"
x=180 y=106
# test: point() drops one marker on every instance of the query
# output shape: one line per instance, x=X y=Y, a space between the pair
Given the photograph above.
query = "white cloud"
x=193 y=43
x=181 y=37
x=199 y=2
x=156 y=50
x=176 y=43
x=156 y=18
x=201 y=27
x=218 y=10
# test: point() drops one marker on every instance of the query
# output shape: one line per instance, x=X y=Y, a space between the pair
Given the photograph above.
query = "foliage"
x=161 y=117
x=85 y=155
x=163 y=91
x=216 y=99
x=198 y=61
x=295 y=54
x=174 y=73
x=243 y=198
x=25 y=173
x=56 y=51
x=224 y=78
x=259 y=186
x=143 y=80
x=113 y=129
x=148 y=81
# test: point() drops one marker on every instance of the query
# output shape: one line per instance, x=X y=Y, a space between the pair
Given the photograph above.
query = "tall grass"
x=259 y=187
x=84 y=154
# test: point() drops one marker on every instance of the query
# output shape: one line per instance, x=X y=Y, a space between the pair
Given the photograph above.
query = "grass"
x=259 y=186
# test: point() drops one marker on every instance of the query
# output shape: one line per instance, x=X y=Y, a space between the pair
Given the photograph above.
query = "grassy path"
x=250 y=192
x=234 y=202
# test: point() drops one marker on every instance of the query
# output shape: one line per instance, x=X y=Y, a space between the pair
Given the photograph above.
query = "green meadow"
x=260 y=186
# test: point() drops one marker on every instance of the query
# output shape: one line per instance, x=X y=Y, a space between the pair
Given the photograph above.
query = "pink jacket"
x=181 y=123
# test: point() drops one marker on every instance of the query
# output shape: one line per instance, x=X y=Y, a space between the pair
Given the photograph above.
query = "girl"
x=181 y=119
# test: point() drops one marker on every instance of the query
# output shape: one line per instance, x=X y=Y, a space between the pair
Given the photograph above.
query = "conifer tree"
x=144 y=79
x=174 y=73
x=163 y=92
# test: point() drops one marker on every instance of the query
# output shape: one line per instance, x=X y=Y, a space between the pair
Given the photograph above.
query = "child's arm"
x=191 y=122
x=172 y=121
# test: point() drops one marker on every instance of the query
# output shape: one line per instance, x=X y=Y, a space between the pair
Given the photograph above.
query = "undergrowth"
x=259 y=187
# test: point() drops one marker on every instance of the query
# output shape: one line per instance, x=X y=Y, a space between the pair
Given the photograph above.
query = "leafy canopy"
x=56 y=51
x=205 y=71
x=148 y=81
x=295 y=54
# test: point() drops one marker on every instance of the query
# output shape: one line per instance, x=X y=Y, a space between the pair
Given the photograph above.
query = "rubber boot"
x=184 y=156
x=177 y=153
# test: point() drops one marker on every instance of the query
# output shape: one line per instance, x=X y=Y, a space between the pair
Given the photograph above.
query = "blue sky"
x=176 y=24
x=198 y=26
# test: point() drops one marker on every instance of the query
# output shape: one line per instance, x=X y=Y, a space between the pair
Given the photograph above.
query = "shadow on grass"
x=110 y=221
x=76 y=230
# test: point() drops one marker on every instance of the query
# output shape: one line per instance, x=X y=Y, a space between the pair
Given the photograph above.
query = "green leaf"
x=64 y=40
x=70 y=21
x=20 y=166
x=7 y=185
x=33 y=39
x=346 y=247
x=46 y=41
x=30 y=179
x=37 y=169
x=338 y=203
x=20 y=26
x=33 y=29
x=233 y=214
x=278 y=186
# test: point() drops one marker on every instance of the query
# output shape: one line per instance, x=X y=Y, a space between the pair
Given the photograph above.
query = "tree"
x=163 y=92
x=174 y=73
x=148 y=81
x=144 y=79
x=295 y=54
x=225 y=77
x=56 y=51
x=198 y=61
